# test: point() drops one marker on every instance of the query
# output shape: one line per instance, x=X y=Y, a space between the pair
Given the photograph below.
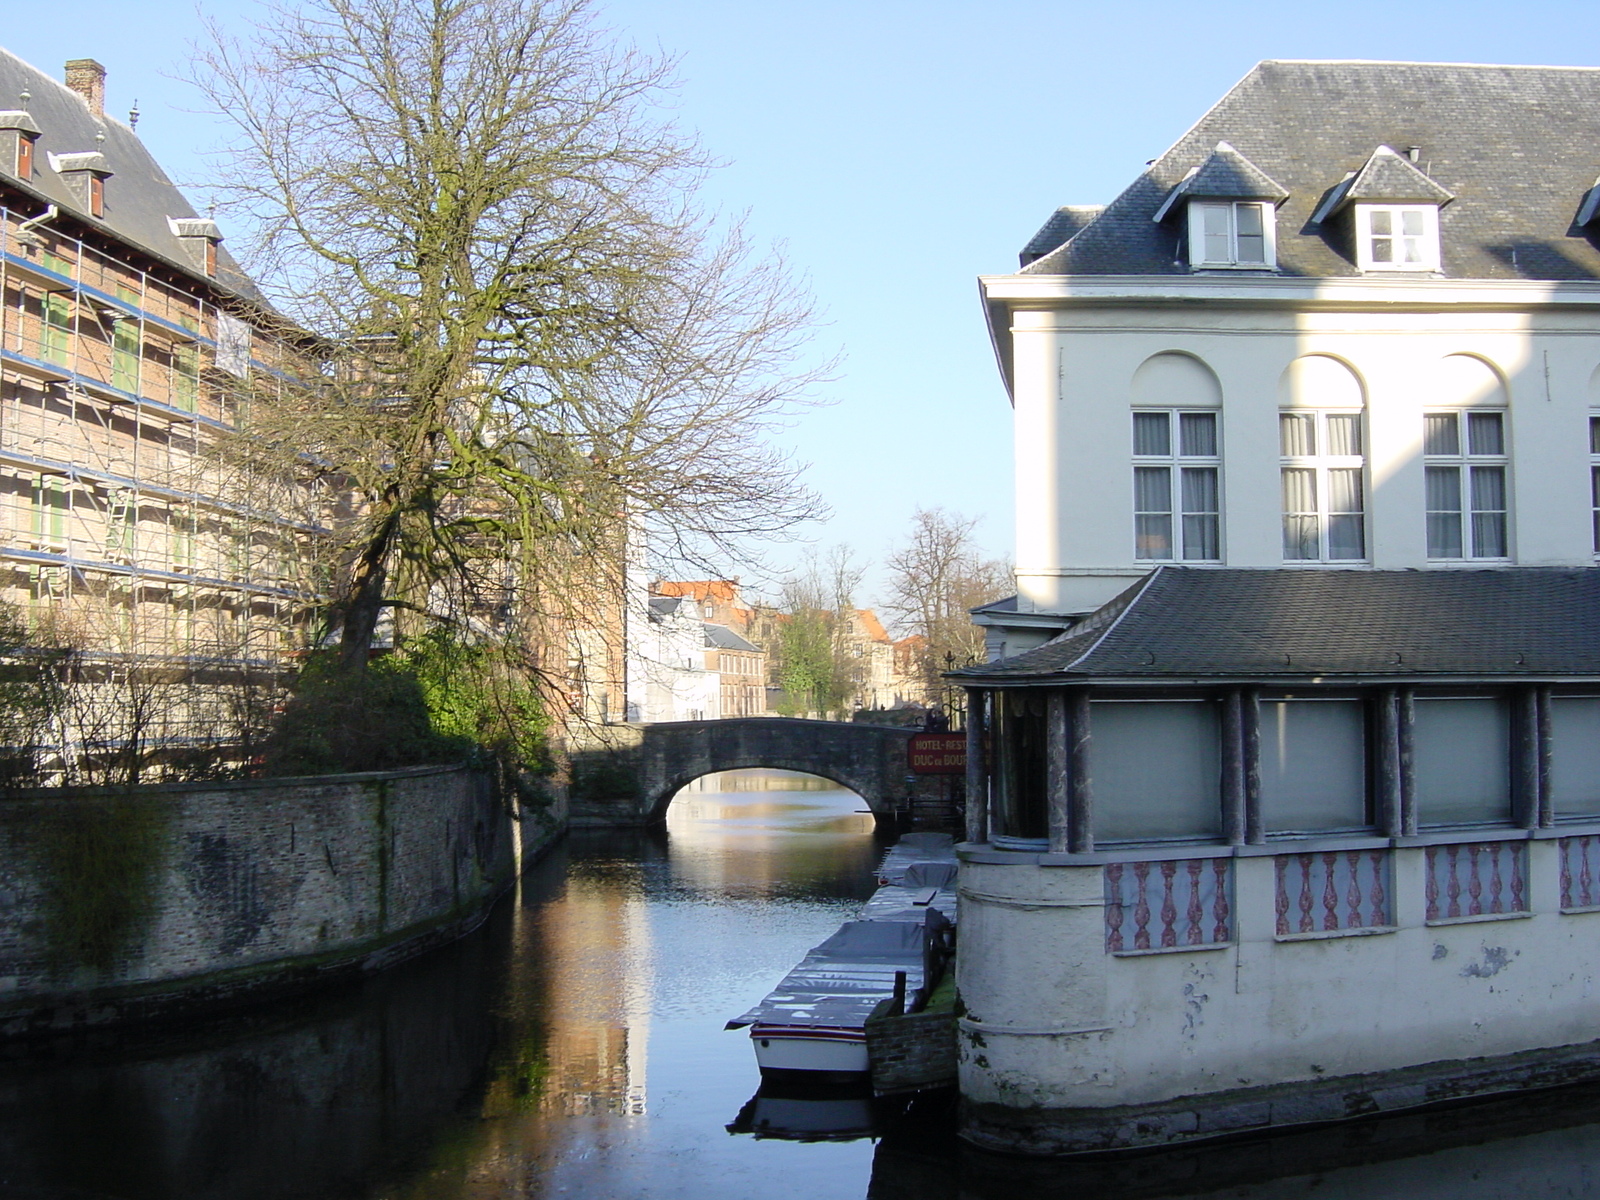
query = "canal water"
x=574 y=1047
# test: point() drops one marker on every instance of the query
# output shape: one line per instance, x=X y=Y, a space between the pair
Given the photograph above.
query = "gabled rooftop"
x=1225 y=175
x=1517 y=147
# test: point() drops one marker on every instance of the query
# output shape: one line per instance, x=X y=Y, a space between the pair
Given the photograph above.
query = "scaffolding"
x=118 y=379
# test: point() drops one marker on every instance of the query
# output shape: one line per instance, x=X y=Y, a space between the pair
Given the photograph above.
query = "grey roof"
x=1225 y=175
x=1518 y=147
x=1188 y=622
x=138 y=197
x=663 y=606
x=720 y=637
x=1063 y=224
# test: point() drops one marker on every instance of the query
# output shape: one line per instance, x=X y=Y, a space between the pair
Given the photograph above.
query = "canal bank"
x=164 y=902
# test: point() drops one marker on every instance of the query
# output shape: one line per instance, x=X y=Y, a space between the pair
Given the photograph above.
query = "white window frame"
x=1464 y=462
x=1175 y=463
x=1197 y=210
x=1321 y=463
x=1594 y=479
x=1428 y=239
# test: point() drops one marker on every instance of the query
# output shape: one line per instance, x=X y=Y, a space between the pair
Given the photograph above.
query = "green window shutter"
x=125 y=342
x=57 y=347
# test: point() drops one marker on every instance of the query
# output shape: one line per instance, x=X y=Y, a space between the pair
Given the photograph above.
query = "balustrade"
x=1168 y=904
x=1333 y=890
x=1476 y=879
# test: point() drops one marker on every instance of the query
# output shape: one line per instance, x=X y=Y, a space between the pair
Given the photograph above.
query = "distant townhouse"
x=1292 y=731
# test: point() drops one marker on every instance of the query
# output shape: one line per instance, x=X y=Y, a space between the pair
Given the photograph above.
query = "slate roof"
x=720 y=637
x=1187 y=622
x=138 y=197
x=1063 y=223
x=1518 y=148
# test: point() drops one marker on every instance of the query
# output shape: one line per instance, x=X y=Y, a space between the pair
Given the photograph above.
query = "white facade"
x=1246 y=361
x=667 y=678
x=1088 y=353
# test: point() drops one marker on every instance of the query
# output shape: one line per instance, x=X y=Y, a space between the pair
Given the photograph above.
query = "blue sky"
x=897 y=151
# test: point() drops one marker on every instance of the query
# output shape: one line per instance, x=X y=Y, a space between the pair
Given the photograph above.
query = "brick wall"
x=121 y=905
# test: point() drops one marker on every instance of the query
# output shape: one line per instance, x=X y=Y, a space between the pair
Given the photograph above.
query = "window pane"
x=1485 y=434
x=1382 y=250
x=1216 y=219
x=1444 y=535
x=1300 y=538
x=1200 y=538
x=1313 y=765
x=1462 y=758
x=1444 y=489
x=1594 y=435
x=1152 y=434
x=1297 y=435
x=1382 y=221
x=1252 y=238
x=1575 y=755
x=1410 y=250
x=1440 y=435
x=1019 y=802
x=1200 y=490
x=1344 y=435
x=1346 y=537
x=1344 y=490
x=1489 y=535
x=1156 y=770
x=1411 y=223
x=1594 y=491
x=1152 y=489
x=1300 y=525
x=1152 y=537
x=1197 y=435
x=1488 y=489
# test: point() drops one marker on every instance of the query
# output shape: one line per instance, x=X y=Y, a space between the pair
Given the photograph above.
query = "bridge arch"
x=870 y=760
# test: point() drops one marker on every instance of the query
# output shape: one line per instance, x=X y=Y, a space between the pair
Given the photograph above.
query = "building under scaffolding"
x=131 y=343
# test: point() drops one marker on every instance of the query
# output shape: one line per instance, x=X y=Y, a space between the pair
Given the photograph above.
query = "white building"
x=1302 y=827
x=667 y=675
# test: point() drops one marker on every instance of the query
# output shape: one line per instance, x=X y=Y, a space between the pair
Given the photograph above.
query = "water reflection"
x=574 y=1046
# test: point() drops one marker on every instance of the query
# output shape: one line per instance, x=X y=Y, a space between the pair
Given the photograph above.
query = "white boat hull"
x=795 y=1049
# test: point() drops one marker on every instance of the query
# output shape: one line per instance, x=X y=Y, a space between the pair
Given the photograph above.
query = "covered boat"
x=814 y=1022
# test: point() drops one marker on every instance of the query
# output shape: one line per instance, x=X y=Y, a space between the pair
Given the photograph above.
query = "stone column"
x=977 y=767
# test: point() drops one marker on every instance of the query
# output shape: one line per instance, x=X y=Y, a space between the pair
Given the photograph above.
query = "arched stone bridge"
x=633 y=782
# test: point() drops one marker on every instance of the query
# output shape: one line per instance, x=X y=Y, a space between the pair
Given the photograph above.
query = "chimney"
x=88 y=79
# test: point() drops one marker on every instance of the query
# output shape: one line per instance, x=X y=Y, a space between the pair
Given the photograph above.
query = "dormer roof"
x=137 y=213
x=1517 y=147
x=1224 y=175
x=87 y=160
x=18 y=118
x=1385 y=178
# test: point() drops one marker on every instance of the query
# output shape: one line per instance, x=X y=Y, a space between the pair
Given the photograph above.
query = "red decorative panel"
x=1333 y=890
x=1477 y=879
x=1169 y=904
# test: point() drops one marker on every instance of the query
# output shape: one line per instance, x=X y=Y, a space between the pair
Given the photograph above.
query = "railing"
x=1333 y=890
x=1477 y=879
x=1580 y=873
x=1168 y=904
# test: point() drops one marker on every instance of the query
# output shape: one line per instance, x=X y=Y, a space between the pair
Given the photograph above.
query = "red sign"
x=938 y=753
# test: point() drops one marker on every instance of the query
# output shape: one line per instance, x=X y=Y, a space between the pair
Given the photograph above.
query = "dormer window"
x=1397 y=237
x=1231 y=233
x=1394 y=206
x=1228 y=205
x=199 y=237
x=18 y=132
x=85 y=175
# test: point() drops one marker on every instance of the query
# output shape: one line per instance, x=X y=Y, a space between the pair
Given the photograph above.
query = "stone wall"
x=120 y=905
x=912 y=1052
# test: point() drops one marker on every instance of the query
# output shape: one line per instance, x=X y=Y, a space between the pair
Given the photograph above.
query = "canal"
x=574 y=1047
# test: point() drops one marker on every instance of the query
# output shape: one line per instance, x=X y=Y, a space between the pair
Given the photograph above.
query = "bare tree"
x=937 y=576
x=811 y=641
x=535 y=344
